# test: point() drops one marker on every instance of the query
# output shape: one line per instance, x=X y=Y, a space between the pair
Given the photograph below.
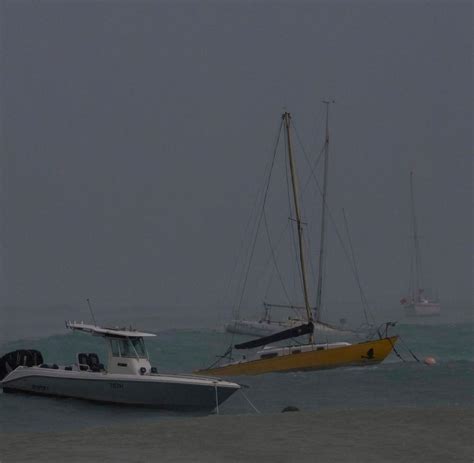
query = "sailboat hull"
x=312 y=358
x=423 y=309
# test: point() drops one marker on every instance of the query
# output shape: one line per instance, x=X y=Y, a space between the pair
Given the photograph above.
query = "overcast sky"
x=135 y=135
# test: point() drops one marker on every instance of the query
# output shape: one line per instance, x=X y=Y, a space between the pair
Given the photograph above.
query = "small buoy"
x=290 y=408
x=429 y=361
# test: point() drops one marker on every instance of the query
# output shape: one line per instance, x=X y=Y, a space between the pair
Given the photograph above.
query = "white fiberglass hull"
x=265 y=328
x=173 y=392
x=422 y=309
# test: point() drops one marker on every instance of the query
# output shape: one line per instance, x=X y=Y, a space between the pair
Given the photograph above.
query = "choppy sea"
x=398 y=382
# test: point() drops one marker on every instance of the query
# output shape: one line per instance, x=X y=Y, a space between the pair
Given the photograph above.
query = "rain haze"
x=135 y=137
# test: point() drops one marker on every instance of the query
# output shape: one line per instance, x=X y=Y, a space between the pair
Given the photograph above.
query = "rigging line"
x=242 y=245
x=307 y=236
x=226 y=354
x=292 y=230
x=266 y=263
x=262 y=274
x=356 y=271
x=252 y=218
x=318 y=122
x=309 y=248
x=338 y=234
x=322 y=261
x=312 y=168
x=411 y=253
x=411 y=286
x=236 y=308
x=415 y=235
x=269 y=283
x=90 y=308
x=234 y=270
x=269 y=258
x=261 y=216
x=294 y=184
x=318 y=159
x=307 y=242
x=274 y=258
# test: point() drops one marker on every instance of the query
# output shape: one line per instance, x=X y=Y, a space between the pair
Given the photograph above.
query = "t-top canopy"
x=99 y=331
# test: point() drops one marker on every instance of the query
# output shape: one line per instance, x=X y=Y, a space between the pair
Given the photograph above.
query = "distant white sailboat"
x=417 y=303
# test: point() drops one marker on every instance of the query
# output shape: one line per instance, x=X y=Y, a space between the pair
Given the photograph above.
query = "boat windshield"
x=139 y=346
x=128 y=347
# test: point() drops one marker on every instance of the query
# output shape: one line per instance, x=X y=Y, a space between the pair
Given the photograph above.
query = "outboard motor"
x=16 y=358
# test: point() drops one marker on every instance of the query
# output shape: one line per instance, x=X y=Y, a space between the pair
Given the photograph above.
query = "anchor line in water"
x=396 y=352
x=409 y=350
x=404 y=344
x=386 y=336
x=250 y=403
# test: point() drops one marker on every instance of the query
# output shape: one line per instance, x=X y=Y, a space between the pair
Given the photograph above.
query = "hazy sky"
x=134 y=137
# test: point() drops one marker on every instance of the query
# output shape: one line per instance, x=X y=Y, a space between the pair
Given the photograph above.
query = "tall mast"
x=319 y=291
x=416 y=289
x=287 y=117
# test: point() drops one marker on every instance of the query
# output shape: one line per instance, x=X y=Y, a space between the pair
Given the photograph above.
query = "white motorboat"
x=128 y=377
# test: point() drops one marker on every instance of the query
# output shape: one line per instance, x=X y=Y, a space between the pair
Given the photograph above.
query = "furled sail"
x=300 y=330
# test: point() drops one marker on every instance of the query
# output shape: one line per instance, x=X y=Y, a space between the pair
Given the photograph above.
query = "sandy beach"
x=399 y=435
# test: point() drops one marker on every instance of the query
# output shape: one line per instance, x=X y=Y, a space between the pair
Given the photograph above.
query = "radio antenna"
x=92 y=313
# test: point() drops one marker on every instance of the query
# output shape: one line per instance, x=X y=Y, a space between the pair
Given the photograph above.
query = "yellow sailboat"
x=307 y=357
x=312 y=355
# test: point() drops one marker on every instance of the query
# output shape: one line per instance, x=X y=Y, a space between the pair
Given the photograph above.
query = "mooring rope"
x=251 y=404
x=395 y=350
x=217 y=398
x=408 y=349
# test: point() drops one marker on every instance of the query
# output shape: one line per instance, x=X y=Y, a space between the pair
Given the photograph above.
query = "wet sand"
x=398 y=435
